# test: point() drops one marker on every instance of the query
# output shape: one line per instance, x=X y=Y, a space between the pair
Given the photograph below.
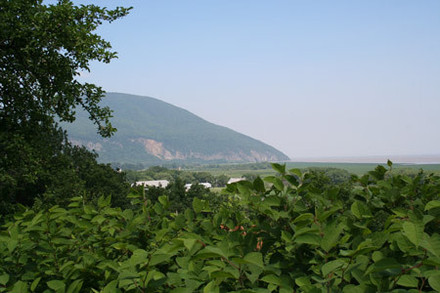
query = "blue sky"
x=311 y=78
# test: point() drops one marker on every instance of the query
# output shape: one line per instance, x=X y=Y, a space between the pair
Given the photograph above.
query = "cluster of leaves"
x=282 y=233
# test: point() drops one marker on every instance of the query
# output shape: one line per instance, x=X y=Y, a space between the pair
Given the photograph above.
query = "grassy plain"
x=262 y=170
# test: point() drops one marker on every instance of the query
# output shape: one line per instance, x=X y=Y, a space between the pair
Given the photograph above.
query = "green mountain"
x=151 y=131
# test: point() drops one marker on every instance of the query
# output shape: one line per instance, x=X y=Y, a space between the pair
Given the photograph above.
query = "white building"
x=153 y=183
x=205 y=184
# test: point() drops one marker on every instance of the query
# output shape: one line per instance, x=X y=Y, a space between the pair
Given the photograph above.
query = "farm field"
x=234 y=170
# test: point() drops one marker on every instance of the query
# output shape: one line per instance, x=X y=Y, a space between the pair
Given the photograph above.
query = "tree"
x=43 y=49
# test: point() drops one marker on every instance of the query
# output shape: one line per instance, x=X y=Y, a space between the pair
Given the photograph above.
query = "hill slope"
x=151 y=131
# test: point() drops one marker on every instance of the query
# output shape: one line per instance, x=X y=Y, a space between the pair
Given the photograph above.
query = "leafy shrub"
x=277 y=234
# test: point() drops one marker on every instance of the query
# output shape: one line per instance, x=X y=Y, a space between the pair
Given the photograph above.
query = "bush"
x=275 y=234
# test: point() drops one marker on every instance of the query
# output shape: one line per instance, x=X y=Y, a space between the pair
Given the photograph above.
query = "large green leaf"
x=139 y=256
x=279 y=168
x=4 y=279
x=197 y=205
x=75 y=287
x=331 y=266
x=306 y=217
x=110 y=287
x=331 y=235
x=413 y=231
x=308 y=238
x=272 y=279
x=259 y=184
x=57 y=285
x=35 y=283
x=20 y=287
x=432 y=244
x=255 y=258
x=275 y=181
x=158 y=258
x=211 y=287
x=360 y=210
x=189 y=243
x=432 y=204
x=434 y=282
x=408 y=281
x=104 y=201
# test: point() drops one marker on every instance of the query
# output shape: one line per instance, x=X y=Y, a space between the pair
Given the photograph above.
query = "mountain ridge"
x=151 y=131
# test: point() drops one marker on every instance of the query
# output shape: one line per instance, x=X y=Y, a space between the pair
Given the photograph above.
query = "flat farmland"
x=262 y=170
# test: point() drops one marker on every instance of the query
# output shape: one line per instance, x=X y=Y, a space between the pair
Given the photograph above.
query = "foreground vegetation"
x=294 y=232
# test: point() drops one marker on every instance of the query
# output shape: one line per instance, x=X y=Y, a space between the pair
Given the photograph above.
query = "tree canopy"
x=43 y=50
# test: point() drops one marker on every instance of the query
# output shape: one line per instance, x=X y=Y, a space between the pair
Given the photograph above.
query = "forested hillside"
x=151 y=132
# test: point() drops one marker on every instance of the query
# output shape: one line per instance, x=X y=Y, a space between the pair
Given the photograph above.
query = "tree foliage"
x=43 y=49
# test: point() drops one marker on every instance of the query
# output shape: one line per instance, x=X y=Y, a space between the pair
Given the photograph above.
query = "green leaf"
x=434 y=282
x=308 y=238
x=104 y=201
x=211 y=288
x=275 y=181
x=292 y=179
x=163 y=199
x=12 y=244
x=56 y=285
x=255 y=258
x=159 y=258
x=213 y=250
x=20 y=287
x=296 y=171
x=360 y=210
x=259 y=184
x=432 y=244
x=432 y=204
x=244 y=187
x=408 y=281
x=110 y=287
x=75 y=286
x=4 y=279
x=154 y=275
x=88 y=210
x=306 y=217
x=331 y=235
x=139 y=256
x=197 y=205
x=414 y=232
x=303 y=281
x=35 y=284
x=98 y=219
x=331 y=266
x=272 y=279
x=279 y=168
x=189 y=243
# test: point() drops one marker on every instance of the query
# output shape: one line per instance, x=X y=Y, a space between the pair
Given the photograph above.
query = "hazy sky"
x=311 y=78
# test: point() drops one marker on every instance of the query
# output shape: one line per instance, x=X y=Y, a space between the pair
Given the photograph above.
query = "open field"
x=362 y=168
x=265 y=170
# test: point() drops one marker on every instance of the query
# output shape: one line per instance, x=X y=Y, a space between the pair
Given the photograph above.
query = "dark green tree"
x=43 y=49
